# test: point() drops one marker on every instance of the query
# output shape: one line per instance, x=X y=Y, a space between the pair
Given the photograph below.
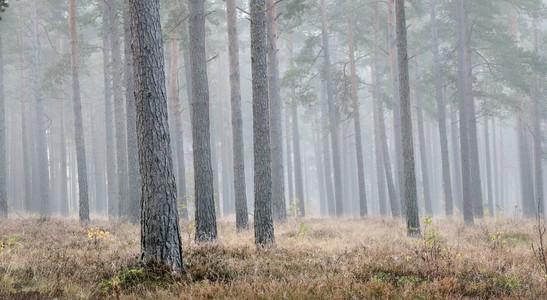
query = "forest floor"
x=313 y=259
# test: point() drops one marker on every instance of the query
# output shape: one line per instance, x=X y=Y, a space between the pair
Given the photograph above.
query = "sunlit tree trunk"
x=78 y=125
x=242 y=219
x=160 y=236
x=63 y=193
x=263 y=220
x=206 y=227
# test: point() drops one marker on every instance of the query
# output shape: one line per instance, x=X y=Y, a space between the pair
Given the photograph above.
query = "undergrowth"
x=313 y=259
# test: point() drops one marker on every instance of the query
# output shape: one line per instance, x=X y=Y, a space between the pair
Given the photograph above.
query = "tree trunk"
x=363 y=210
x=276 y=130
x=242 y=219
x=263 y=221
x=488 y=167
x=112 y=179
x=538 y=136
x=78 y=125
x=394 y=71
x=496 y=201
x=179 y=136
x=319 y=167
x=160 y=237
x=326 y=151
x=381 y=127
x=423 y=159
x=3 y=162
x=41 y=145
x=121 y=148
x=411 y=197
x=333 y=113
x=206 y=227
x=63 y=197
x=133 y=173
x=464 y=109
x=456 y=158
x=290 y=177
x=441 y=112
x=299 y=184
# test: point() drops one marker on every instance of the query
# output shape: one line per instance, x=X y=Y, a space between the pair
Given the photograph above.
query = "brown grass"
x=314 y=259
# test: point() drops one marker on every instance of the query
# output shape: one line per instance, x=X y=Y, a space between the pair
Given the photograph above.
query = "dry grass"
x=314 y=259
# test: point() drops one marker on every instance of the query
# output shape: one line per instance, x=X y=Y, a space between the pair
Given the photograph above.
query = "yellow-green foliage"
x=313 y=259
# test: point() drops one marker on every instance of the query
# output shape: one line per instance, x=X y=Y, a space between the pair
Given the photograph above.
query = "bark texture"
x=133 y=174
x=263 y=220
x=276 y=129
x=160 y=237
x=78 y=122
x=206 y=226
x=242 y=218
x=410 y=195
x=3 y=162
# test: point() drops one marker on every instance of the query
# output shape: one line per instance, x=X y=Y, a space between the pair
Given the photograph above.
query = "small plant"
x=303 y=229
x=539 y=249
x=97 y=235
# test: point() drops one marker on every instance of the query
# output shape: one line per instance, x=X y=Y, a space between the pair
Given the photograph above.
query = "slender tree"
x=363 y=210
x=78 y=122
x=441 y=111
x=333 y=113
x=3 y=162
x=206 y=226
x=242 y=219
x=160 y=236
x=410 y=195
x=276 y=130
x=263 y=220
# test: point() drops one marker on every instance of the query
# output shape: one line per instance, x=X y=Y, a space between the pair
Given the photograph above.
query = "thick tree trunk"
x=160 y=236
x=363 y=210
x=242 y=219
x=333 y=113
x=441 y=112
x=78 y=125
x=133 y=173
x=119 y=105
x=456 y=158
x=411 y=197
x=41 y=144
x=112 y=179
x=263 y=221
x=206 y=226
x=465 y=114
x=63 y=193
x=3 y=162
x=276 y=129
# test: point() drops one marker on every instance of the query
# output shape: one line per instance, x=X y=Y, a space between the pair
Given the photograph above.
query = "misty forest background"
x=336 y=134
